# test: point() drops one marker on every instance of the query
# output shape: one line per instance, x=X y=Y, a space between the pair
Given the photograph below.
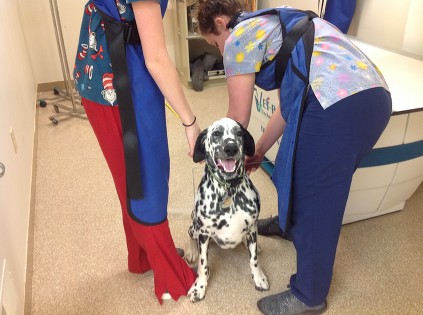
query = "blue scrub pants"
x=330 y=146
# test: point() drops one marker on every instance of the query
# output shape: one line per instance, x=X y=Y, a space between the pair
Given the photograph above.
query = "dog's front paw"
x=260 y=280
x=197 y=291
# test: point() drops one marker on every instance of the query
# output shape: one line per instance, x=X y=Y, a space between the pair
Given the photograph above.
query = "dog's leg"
x=191 y=252
x=244 y=240
x=198 y=289
x=260 y=279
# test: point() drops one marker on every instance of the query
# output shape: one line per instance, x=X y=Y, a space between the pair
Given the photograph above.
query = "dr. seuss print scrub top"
x=338 y=68
x=93 y=71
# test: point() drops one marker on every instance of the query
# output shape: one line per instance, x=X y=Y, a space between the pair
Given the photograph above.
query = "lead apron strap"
x=289 y=42
x=302 y=29
x=117 y=34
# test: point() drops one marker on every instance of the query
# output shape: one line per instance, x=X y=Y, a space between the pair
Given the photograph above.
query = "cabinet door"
x=181 y=35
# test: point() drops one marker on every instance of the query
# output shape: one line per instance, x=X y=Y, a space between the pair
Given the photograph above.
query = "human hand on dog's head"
x=192 y=133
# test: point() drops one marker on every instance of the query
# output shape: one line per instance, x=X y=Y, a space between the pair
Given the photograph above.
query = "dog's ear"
x=249 y=145
x=200 y=147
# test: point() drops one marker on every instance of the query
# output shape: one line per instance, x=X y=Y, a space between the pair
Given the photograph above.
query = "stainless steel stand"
x=69 y=94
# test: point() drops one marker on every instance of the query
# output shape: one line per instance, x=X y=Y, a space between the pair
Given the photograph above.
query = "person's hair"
x=208 y=9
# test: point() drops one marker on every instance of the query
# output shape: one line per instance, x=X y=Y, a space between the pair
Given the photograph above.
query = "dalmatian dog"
x=227 y=204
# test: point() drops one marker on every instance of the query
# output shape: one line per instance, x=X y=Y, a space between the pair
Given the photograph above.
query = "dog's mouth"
x=227 y=166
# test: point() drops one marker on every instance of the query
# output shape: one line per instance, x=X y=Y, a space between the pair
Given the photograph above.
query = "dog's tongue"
x=227 y=165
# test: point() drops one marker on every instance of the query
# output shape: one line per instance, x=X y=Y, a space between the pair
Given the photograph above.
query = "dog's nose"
x=231 y=149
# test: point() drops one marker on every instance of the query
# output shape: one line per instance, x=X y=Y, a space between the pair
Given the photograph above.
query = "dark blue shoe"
x=270 y=227
x=180 y=252
x=286 y=303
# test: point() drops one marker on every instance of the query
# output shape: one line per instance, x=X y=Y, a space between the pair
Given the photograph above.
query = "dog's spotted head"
x=224 y=145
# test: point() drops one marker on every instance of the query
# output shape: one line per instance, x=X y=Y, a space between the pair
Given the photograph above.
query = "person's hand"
x=192 y=133
x=253 y=163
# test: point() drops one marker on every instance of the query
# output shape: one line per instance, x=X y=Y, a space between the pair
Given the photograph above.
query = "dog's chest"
x=227 y=214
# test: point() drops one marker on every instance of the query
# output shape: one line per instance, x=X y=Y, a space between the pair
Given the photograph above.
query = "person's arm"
x=240 y=92
x=273 y=131
x=150 y=27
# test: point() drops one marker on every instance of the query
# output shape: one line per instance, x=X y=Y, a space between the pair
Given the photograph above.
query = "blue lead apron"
x=137 y=93
x=289 y=70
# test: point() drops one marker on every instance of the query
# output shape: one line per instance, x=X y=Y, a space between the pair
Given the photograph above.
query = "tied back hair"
x=209 y=9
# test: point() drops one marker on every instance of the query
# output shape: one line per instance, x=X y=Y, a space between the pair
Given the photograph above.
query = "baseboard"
x=30 y=242
x=48 y=87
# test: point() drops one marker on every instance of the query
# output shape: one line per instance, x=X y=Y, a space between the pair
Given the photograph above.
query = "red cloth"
x=149 y=246
x=171 y=272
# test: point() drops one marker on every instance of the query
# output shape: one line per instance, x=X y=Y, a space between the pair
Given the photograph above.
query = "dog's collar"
x=229 y=183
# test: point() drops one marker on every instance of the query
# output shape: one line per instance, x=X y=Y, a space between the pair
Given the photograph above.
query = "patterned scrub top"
x=338 y=68
x=93 y=70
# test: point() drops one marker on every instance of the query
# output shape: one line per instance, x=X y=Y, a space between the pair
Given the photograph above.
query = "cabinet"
x=189 y=45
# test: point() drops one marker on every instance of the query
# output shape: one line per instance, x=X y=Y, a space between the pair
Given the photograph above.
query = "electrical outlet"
x=12 y=135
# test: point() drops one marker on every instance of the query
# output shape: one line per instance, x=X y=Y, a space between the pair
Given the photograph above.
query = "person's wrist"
x=259 y=151
x=190 y=124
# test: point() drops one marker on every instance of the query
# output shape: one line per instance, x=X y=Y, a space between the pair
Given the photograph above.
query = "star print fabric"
x=338 y=68
x=251 y=43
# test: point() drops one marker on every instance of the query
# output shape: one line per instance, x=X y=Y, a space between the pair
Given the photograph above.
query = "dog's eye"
x=216 y=133
x=239 y=133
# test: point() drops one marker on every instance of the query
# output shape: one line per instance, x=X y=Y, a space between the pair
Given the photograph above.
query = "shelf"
x=217 y=77
x=194 y=36
x=189 y=45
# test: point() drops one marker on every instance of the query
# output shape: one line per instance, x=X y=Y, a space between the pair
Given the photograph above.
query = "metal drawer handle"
x=2 y=170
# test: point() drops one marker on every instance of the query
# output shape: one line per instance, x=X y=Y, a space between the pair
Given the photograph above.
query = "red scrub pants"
x=149 y=246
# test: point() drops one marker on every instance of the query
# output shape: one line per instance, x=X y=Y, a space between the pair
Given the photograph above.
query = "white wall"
x=382 y=24
x=17 y=113
x=39 y=29
x=413 y=34
x=392 y=24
